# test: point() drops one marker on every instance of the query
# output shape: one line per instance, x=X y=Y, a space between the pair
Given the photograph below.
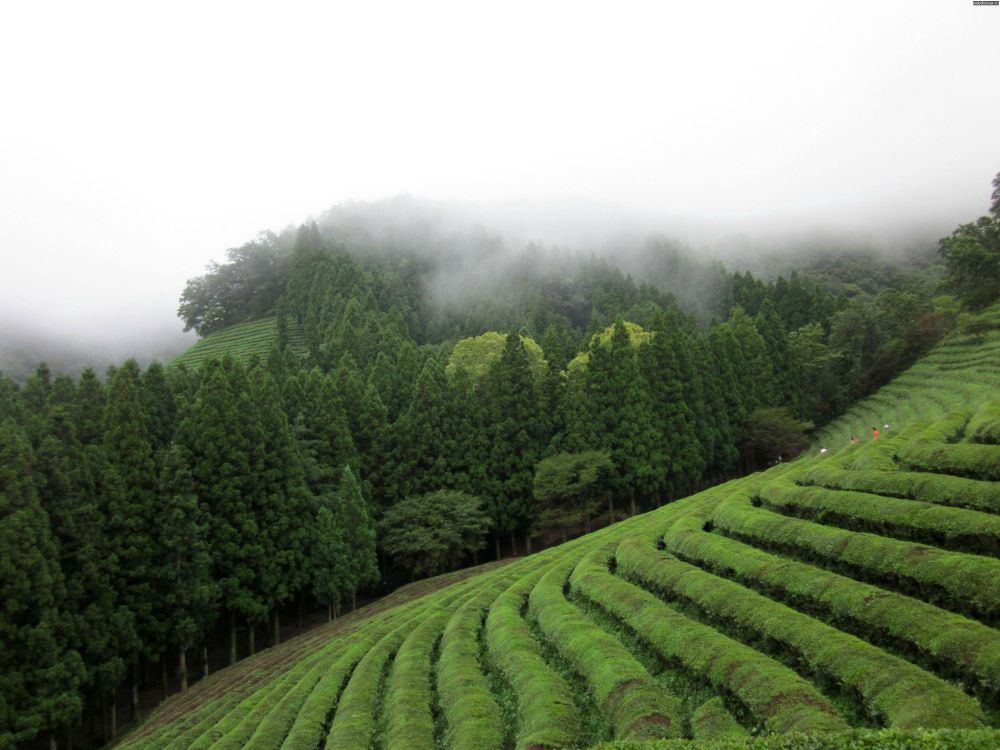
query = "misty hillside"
x=373 y=404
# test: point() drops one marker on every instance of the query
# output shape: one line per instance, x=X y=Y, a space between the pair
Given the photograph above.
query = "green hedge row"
x=984 y=427
x=711 y=721
x=956 y=528
x=940 y=489
x=472 y=715
x=409 y=697
x=892 y=690
x=964 y=646
x=311 y=720
x=966 y=583
x=971 y=460
x=858 y=739
x=354 y=721
x=243 y=680
x=635 y=704
x=236 y=727
x=275 y=726
x=547 y=714
x=775 y=696
x=934 y=450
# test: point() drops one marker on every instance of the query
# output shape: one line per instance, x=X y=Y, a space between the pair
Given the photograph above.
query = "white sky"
x=139 y=140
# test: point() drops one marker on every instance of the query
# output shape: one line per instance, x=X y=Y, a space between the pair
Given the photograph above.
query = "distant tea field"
x=848 y=599
x=241 y=341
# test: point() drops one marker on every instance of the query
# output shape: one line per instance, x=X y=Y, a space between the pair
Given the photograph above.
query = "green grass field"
x=242 y=341
x=844 y=600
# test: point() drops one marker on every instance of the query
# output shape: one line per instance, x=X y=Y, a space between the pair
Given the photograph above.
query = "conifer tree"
x=424 y=442
x=131 y=508
x=69 y=480
x=350 y=390
x=187 y=591
x=218 y=452
x=358 y=527
x=329 y=556
x=89 y=413
x=278 y=490
x=673 y=417
x=515 y=439
x=782 y=388
x=38 y=674
x=373 y=444
x=161 y=410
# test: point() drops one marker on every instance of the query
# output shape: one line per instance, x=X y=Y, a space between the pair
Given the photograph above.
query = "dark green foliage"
x=217 y=447
x=972 y=256
x=567 y=486
x=515 y=436
x=246 y=287
x=38 y=674
x=186 y=591
x=433 y=533
x=772 y=434
x=130 y=501
x=70 y=480
x=359 y=534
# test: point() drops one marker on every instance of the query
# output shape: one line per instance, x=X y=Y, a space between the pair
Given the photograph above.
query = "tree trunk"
x=114 y=713
x=336 y=606
x=183 y=668
x=513 y=543
x=68 y=744
x=135 y=693
x=496 y=542
x=562 y=532
x=632 y=507
x=104 y=718
x=251 y=637
x=354 y=600
x=204 y=659
x=527 y=542
x=475 y=558
x=163 y=676
x=277 y=627
x=105 y=737
x=329 y=612
x=52 y=741
x=232 y=638
x=611 y=509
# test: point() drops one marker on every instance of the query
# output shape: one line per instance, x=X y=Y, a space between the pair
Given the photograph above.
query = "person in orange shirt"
x=874 y=433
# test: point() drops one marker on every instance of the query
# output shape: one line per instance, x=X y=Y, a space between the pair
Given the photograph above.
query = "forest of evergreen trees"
x=150 y=515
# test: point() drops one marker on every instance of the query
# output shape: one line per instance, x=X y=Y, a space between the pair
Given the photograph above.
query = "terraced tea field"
x=853 y=596
x=242 y=341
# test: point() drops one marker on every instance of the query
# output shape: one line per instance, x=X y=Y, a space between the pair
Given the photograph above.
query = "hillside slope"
x=842 y=592
x=241 y=341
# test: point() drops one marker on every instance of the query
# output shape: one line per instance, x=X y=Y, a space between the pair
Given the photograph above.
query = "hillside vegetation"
x=844 y=592
x=363 y=413
x=242 y=341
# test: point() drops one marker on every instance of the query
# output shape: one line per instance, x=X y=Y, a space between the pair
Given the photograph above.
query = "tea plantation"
x=847 y=599
x=241 y=341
